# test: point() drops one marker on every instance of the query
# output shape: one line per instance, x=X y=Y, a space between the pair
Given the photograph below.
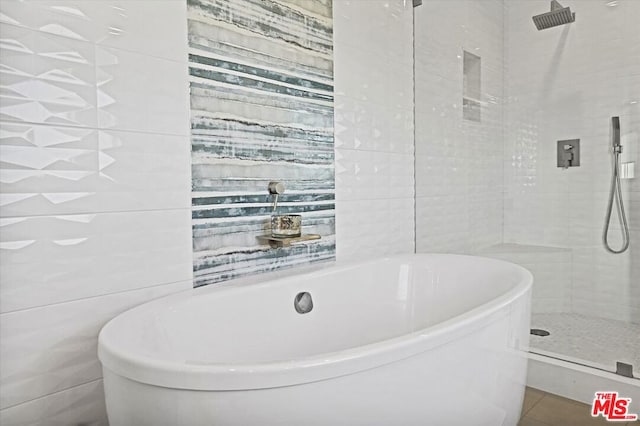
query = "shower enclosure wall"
x=487 y=178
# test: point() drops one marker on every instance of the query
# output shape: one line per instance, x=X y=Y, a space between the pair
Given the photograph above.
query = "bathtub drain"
x=539 y=332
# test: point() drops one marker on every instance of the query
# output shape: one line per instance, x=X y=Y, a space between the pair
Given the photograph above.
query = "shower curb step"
x=575 y=381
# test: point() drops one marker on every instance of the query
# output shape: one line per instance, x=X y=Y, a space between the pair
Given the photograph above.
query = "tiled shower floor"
x=587 y=340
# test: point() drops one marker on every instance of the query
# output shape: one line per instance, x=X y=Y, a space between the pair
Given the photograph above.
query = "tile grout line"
x=92 y=128
x=96 y=212
x=149 y=287
x=534 y=404
x=99 y=379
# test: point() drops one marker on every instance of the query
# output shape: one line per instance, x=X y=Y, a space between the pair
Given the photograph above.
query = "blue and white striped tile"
x=261 y=76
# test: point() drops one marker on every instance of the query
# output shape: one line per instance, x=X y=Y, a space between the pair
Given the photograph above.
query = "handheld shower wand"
x=615 y=193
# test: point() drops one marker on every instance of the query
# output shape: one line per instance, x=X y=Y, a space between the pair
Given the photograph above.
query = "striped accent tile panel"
x=261 y=84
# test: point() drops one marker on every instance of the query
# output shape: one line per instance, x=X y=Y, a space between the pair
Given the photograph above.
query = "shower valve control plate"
x=569 y=153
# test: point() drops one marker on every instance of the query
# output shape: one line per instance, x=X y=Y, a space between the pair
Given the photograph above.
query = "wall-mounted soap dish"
x=285 y=228
x=287 y=241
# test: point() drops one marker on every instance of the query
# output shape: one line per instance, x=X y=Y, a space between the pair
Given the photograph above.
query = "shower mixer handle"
x=567 y=157
x=276 y=188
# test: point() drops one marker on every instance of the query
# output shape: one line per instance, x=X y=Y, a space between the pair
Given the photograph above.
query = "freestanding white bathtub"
x=411 y=340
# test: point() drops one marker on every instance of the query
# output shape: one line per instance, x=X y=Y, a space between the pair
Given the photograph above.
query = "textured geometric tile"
x=59 y=173
x=52 y=348
x=46 y=79
x=459 y=164
x=44 y=167
x=83 y=404
x=64 y=170
x=53 y=259
x=115 y=23
x=144 y=171
x=374 y=129
x=132 y=93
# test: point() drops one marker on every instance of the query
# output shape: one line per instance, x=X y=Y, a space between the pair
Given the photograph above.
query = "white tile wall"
x=551 y=270
x=53 y=259
x=96 y=176
x=53 y=348
x=96 y=179
x=373 y=76
x=84 y=402
x=95 y=190
x=137 y=92
x=459 y=168
x=123 y=24
x=564 y=83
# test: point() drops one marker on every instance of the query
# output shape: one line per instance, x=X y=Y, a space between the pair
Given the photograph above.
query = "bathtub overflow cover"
x=303 y=303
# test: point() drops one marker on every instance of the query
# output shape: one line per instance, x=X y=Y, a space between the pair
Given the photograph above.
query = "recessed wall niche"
x=471 y=87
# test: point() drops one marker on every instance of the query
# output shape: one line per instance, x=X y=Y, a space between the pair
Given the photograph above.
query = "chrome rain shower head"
x=558 y=16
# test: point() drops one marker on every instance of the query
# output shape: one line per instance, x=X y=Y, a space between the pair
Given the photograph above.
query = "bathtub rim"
x=326 y=365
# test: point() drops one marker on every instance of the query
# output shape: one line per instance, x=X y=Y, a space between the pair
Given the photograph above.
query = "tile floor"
x=545 y=409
